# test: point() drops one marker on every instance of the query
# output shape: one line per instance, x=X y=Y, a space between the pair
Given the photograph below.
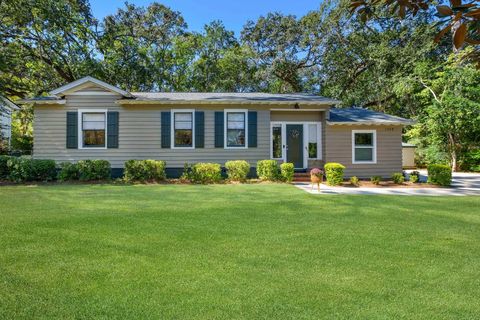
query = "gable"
x=88 y=86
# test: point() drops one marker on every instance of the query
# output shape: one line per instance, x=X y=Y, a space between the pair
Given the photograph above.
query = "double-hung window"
x=236 y=129
x=364 y=146
x=183 y=126
x=93 y=126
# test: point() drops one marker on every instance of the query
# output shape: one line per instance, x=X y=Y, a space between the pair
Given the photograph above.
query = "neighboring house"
x=6 y=109
x=90 y=119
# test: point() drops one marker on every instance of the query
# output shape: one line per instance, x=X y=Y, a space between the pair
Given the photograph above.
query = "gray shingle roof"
x=360 y=115
x=232 y=97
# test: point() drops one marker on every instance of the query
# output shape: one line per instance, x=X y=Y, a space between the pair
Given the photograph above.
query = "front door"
x=295 y=144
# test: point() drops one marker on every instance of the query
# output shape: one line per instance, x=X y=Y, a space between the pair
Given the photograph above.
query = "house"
x=91 y=119
x=6 y=109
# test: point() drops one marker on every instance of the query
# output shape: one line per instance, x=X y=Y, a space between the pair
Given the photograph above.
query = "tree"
x=44 y=43
x=451 y=121
x=136 y=46
x=461 y=18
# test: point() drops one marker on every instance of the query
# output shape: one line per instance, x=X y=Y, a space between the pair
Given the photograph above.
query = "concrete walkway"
x=463 y=184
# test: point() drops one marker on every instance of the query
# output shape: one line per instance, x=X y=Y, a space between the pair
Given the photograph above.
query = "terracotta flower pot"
x=315 y=179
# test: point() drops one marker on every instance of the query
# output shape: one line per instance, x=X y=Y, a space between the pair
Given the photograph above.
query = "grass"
x=235 y=252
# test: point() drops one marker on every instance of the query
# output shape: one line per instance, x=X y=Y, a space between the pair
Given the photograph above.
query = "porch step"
x=301 y=177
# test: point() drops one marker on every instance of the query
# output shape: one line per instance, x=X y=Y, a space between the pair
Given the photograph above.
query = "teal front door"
x=295 y=144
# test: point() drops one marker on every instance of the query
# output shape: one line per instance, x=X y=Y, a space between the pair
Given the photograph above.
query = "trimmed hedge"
x=268 y=170
x=202 y=173
x=237 y=170
x=144 y=170
x=439 y=174
x=68 y=171
x=4 y=167
x=287 y=171
x=25 y=169
x=334 y=173
x=90 y=170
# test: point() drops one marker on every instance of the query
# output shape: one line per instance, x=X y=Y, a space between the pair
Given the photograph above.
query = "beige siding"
x=139 y=135
x=389 y=150
x=408 y=156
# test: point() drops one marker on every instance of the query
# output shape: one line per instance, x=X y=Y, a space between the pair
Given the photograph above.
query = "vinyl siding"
x=139 y=135
x=338 y=148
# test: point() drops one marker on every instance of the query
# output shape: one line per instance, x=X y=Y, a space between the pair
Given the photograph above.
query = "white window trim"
x=374 y=151
x=80 y=128
x=225 y=124
x=172 y=127
x=305 y=140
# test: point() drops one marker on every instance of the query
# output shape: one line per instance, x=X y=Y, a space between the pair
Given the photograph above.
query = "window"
x=313 y=141
x=236 y=125
x=93 y=129
x=182 y=129
x=364 y=145
x=277 y=141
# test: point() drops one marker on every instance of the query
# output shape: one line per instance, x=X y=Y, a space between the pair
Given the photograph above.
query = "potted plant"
x=316 y=177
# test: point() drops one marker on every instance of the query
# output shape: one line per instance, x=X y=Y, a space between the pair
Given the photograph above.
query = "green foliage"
x=69 y=171
x=237 y=170
x=25 y=169
x=414 y=176
x=204 y=173
x=439 y=174
x=471 y=160
x=92 y=170
x=354 y=181
x=398 y=178
x=4 y=166
x=268 y=170
x=287 y=171
x=144 y=170
x=334 y=173
x=376 y=180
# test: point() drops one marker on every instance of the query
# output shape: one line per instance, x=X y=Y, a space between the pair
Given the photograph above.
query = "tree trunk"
x=453 y=156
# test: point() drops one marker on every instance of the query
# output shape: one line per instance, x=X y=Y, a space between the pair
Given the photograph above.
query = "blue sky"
x=233 y=13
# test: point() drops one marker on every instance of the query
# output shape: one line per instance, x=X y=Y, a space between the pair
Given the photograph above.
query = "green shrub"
x=334 y=173
x=4 y=167
x=144 y=170
x=287 y=171
x=268 y=170
x=439 y=174
x=206 y=173
x=90 y=170
x=43 y=170
x=237 y=170
x=26 y=169
x=414 y=176
x=68 y=171
x=376 y=180
x=355 y=181
x=398 y=178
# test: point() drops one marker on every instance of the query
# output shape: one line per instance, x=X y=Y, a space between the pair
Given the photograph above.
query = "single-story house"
x=7 y=107
x=91 y=119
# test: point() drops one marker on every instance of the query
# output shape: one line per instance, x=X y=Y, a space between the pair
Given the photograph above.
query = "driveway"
x=463 y=184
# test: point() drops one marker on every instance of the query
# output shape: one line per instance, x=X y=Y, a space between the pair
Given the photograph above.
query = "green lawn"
x=235 y=252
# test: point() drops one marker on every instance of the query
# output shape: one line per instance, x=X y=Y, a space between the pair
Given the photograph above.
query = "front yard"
x=235 y=252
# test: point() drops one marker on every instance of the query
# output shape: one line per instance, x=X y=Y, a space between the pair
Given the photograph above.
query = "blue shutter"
x=219 y=128
x=112 y=129
x=199 y=129
x=165 y=128
x=72 y=130
x=252 y=129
